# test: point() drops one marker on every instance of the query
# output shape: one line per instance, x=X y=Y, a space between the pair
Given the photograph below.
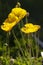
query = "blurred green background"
x=34 y=7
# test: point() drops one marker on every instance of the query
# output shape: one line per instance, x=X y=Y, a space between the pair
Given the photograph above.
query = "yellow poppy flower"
x=30 y=28
x=13 y=18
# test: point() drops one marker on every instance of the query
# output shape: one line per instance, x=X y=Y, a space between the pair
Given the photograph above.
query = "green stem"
x=18 y=42
x=26 y=19
x=29 y=44
x=32 y=46
x=38 y=41
x=36 y=46
x=7 y=42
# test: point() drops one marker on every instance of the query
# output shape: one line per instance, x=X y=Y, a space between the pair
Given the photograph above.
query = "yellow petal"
x=12 y=17
x=29 y=25
x=19 y=12
x=8 y=26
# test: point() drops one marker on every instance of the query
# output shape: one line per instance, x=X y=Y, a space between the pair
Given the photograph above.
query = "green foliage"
x=4 y=60
x=21 y=60
x=24 y=51
x=1 y=51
